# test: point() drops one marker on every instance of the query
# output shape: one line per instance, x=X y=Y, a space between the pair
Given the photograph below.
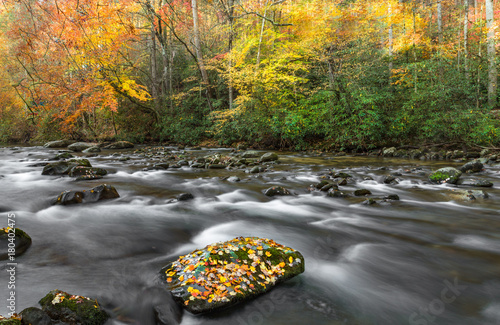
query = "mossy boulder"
x=80 y=146
x=92 y=149
x=250 y=154
x=18 y=237
x=61 y=306
x=9 y=321
x=226 y=273
x=269 y=156
x=35 y=316
x=448 y=175
x=120 y=145
x=474 y=166
x=277 y=191
x=59 y=143
x=100 y=192
x=86 y=171
x=64 y=167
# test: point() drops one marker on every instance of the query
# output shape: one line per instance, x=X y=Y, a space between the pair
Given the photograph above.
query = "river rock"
x=80 y=146
x=474 y=166
x=468 y=195
x=335 y=192
x=185 y=197
x=389 y=152
x=64 y=167
x=22 y=242
x=390 y=179
x=255 y=170
x=392 y=197
x=277 y=190
x=86 y=171
x=369 y=201
x=92 y=149
x=233 y=179
x=270 y=156
x=157 y=306
x=61 y=306
x=226 y=273
x=250 y=154
x=445 y=175
x=120 y=145
x=362 y=192
x=475 y=182
x=59 y=143
x=63 y=155
x=100 y=192
x=35 y=316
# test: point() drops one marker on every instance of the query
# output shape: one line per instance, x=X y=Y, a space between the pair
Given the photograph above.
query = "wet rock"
x=185 y=197
x=390 y=179
x=157 y=306
x=468 y=195
x=92 y=149
x=393 y=197
x=255 y=170
x=61 y=306
x=35 y=316
x=328 y=187
x=367 y=178
x=183 y=163
x=250 y=154
x=88 y=177
x=124 y=158
x=233 y=179
x=100 y=192
x=445 y=175
x=198 y=165
x=87 y=171
x=475 y=182
x=22 y=242
x=270 y=156
x=342 y=175
x=80 y=146
x=322 y=183
x=336 y=193
x=342 y=182
x=362 y=192
x=160 y=166
x=64 y=167
x=474 y=166
x=64 y=155
x=227 y=273
x=120 y=145
x=277 y=191
x=369 y=201
x=58 y=143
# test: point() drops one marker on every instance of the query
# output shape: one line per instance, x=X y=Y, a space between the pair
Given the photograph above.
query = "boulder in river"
x=448 y=175
x=120 y=145
x=474 y=166
x=92 y=149
x=100 y=192
x=250 y=154
x=16 y=237
x=86 y=171
x=335 y=192
x=63 y=155
x=475 y=182
x=80 y=146
x=362 y=192
x=59 y=143
x=185 y=197
x=35 y=316
x=64 y=167
x=269 y=156
x=63 y=307
x=467 y=195
x=277 y=190
x=226 y=273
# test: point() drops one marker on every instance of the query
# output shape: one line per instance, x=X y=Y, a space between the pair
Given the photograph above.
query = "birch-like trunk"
x=492 y=66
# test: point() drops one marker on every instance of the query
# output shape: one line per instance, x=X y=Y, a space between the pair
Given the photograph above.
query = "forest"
x=294 y=74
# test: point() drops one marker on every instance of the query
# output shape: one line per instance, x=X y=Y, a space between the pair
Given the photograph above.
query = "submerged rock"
x=15 y=236
x=120 y=145
x=475 y=182
x=445 y=175
x=226 y=273
x=276 y=190
x=474 y=166
x=61 y=306
x=101 y=192
x=185 y=197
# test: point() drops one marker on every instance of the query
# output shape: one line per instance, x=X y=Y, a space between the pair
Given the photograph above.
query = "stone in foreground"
x=277 y=191
x=21 y=240
x=448 y=175
x=61 y=306
x=223 y=274
x=100 y=192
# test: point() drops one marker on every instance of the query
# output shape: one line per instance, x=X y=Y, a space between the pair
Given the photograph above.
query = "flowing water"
x=429 y=258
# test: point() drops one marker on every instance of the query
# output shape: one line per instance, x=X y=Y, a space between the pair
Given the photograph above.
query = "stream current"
x=428 y=258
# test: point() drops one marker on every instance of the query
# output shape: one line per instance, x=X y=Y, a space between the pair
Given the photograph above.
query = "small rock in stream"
x=101 y=192
x=185 y=197
x=22 y=242
x=277 y=191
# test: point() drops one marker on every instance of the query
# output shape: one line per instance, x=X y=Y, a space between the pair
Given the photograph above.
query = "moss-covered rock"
x=335 y=192
x=474 y=166
x=226 y=273
x=92 y=149
x=445 y=175
x=64 y=167
x=277 y=191
x=120 y=145
x=9 y=321
x=18 y=237
x=76 y=310
x=269 y=156
x=100 y=192
x=85 y=171
x=80 y=146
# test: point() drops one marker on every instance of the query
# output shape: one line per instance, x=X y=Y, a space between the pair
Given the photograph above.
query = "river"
x=428 y=258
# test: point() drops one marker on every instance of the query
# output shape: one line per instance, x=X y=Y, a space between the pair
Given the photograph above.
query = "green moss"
x=10 y=321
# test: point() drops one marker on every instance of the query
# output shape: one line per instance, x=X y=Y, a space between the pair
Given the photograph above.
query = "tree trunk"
x=199 y=54
x=391 y=42
x=466 y=26
x=440 y=22
x=230 y=48
x=492 y=68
